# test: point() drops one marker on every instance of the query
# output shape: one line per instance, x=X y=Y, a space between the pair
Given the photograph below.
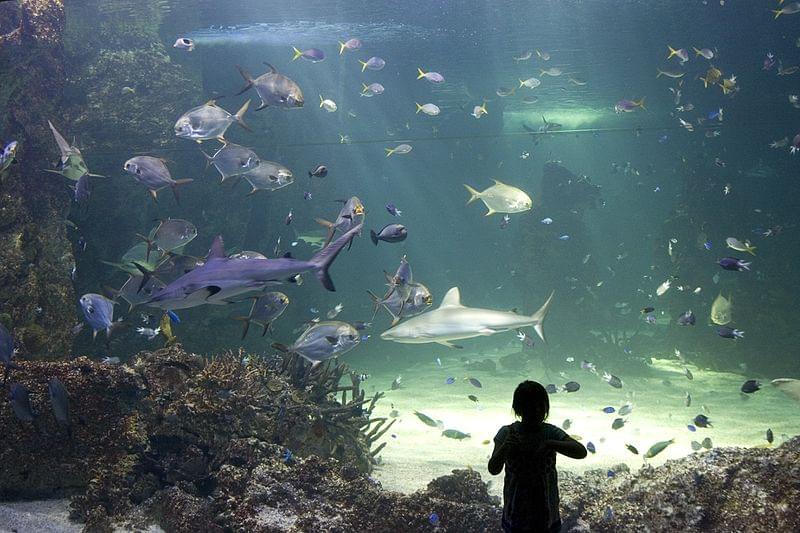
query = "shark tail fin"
x=323 y=259
x=474 y=195
x=540 y=315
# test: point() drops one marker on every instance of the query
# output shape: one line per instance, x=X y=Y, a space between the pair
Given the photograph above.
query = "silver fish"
x=273 y=88
x=209 y=121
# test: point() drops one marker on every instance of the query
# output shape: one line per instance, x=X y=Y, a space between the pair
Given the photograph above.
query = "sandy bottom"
x=417 y=453
x=43 y=516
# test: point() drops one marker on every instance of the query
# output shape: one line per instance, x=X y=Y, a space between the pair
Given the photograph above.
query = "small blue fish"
x=611 y=473
x=392 y=209
x=434 y=519
x=590 y=447
x=663 y=139
x=715 y=115
x=450 y=381
x=650 y=319
x=98 y=312
x=307 y=195
x=288 y=456
x=564 y=237
x=609 y=410
x=627 y=350
x=691 y=428
x=174 y=317
x=364 y=338
x=707 y=245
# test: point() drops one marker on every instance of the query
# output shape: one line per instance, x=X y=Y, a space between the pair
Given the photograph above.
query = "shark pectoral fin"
x=450 y=345
x=487 y=331
x=490 y=212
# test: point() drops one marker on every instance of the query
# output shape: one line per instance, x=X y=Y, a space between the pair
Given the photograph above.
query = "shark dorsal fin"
x=452 y=298
x=217 y=250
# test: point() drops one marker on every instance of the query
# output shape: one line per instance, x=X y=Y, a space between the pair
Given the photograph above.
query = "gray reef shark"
x=223 y=280
x=453 y=321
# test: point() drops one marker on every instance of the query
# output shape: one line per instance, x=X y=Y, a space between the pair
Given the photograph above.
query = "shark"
x=222 y=280
x=452 y=321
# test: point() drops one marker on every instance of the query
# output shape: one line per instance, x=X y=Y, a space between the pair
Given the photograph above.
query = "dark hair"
x=531 y=402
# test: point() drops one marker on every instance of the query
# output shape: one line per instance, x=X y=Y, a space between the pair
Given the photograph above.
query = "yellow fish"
x=721 y=310
x=165 y=327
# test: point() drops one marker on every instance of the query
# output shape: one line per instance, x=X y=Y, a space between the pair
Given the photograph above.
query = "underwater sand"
x=418 y=453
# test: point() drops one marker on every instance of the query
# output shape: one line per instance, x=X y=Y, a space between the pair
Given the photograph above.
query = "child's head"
x=531 y=402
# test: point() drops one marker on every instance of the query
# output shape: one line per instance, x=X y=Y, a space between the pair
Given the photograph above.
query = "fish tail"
x=672 y=51
x=146 y=272
x=365 y=87
x=341 y=47
x=696 y=51
x=246 y=321
x=247 y=78
x=297 y=53
x=389 y=151
x=421 y=74
x=419 y=107
x=705 y=82
x=474 y=195
x=177 y=184
x=541 y=72
x=209 y=160
x=376 y=304
x=540 y=315
x=521 y=83
x=660 y=72
x=363 y=65
x=640 y=103
x=150 y=246
x=750 y=249
x=321 y=100
x=323 y=259
x=373 y=236
x=239 y=116
x=778 y=12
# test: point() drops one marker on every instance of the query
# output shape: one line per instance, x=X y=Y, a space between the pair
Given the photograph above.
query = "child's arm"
x=569 y=447
x=500 y=452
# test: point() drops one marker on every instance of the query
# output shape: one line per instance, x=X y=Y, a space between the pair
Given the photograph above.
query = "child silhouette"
x=528 y=449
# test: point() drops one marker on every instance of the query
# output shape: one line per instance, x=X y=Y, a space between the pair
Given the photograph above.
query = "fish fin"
x=421 y=74
x=262 y=106
x=389 y=151
x=280 y=347
x=450 y=344
x=217 y=250
x=247 y=78
x=323 y=259
x=419 y=107
x=153 y=194
x=271 y=68
x=376 y=303
x=640 y=103
x=95 y=175
x=177 y=184
x=374 y=237
x=150 y=245
x=474 y=195
x=297 y=53
x=321 y=100
x=267 y=328
x=211 y=290
x=672 y=51
x=490 y=212
x=341 y=47
x=239 y=116
x=146 y=275
x=246 y=321
x=778 y=12
x=540 y=315
x=452 y=298
x=324 y=223
x=364 y=63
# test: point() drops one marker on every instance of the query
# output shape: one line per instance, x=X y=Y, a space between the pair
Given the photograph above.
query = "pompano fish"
x=323 y=341
x=453 y=321
x=721 y=310
x=788 y=9
x=418 y=300
x=707 y=53
x=73 y=166
x=349 y=45
x=221 y=280
x=501 y=198
x=399 y=149
x=209 y=121
x=681 y=54
x=373 y=63
x=98 y=312
x=264 y=311
x=169 y=235
x=428 y=109
x=268 y=176
x=273 y=88
x=530 y=83
x=153 y=173
x=739 y=246
x=232 y=160
x=136 y=291
x=552 y=71
x=350 y=215
x=433 y=77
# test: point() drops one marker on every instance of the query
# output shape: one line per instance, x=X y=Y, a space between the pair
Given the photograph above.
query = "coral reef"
x=725 y=489
x=35 y=258
x=236 y=443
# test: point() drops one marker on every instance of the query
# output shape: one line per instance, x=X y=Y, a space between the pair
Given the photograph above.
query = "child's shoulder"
x=553 y=432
